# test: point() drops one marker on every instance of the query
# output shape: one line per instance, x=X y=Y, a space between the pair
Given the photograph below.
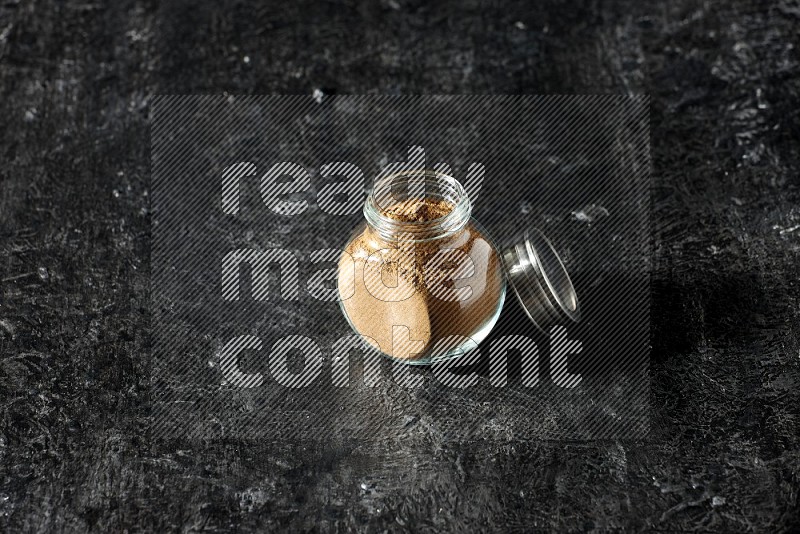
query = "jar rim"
x=450 y=189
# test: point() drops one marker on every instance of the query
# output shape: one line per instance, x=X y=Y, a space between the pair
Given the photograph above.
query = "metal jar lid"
x=540 y=280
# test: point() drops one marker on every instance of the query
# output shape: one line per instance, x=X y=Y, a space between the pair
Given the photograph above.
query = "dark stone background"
x=75 y=83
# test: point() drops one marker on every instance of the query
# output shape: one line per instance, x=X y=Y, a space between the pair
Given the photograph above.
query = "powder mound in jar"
x=416 y=210
x=409 y=290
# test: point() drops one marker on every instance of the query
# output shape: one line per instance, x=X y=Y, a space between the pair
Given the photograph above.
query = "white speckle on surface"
x=8 y=327
x=30 y=115
x=761 y=103
x=394 y=5
x=717 y=501
x=520 y=25
x=135 y=36
x=115 y=193
x=43 y=274
x=525 y=207
x=590 y=214
x=789 y=230
x=253 y=499
x=714 y=250
x=246 y=60
x=6 y=32
x=317 y=95
x=364 y=486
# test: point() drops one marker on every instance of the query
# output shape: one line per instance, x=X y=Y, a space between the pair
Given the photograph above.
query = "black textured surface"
x=75 y=82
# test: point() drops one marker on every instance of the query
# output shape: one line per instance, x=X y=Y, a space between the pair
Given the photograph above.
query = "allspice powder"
x=403 y=314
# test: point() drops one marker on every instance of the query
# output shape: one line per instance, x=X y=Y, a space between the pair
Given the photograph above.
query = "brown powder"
x=416 y=210
x=396 y=284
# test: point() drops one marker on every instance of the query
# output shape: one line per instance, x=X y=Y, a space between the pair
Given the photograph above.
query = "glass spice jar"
x=421 y=281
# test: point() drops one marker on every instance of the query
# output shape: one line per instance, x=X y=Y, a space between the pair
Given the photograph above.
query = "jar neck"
x=422 y=185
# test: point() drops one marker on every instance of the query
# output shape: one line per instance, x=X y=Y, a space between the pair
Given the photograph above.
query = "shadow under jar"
x=420 y=280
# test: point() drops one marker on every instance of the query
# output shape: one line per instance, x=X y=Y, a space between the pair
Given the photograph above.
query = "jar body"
x=421 y=300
